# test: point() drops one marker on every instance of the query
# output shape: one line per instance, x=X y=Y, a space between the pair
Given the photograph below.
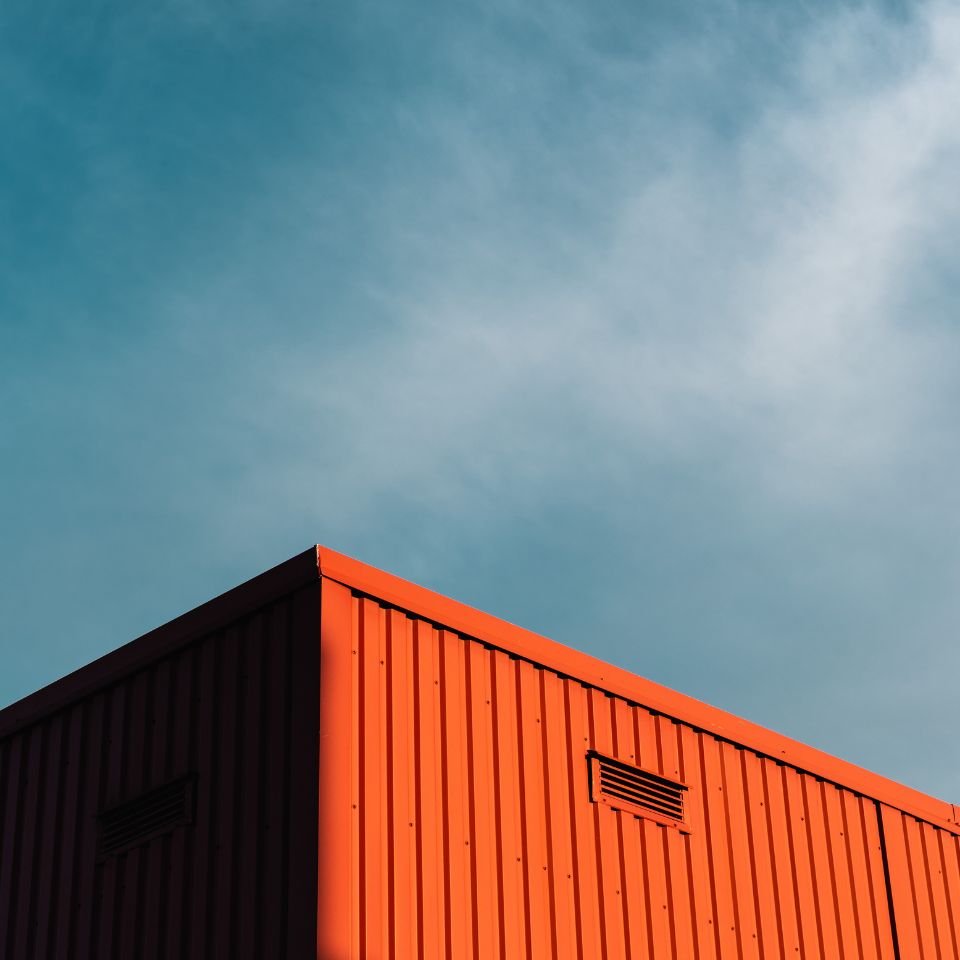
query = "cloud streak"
x=636 y=327
x=737 y=310
x=753 y=291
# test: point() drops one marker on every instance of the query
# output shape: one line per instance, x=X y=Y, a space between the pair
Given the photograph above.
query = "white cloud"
x=596 y=301
x=757 y=292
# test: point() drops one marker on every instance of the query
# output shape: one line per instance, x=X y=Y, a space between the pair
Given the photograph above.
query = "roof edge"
x=283 y=579
x=565 y=660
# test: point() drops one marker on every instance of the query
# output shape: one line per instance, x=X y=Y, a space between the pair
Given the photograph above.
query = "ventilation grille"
x=633 y=790
x=147 y=816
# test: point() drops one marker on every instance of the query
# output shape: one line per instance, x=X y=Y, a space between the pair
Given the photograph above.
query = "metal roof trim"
x=565 y=660
x=283 y=579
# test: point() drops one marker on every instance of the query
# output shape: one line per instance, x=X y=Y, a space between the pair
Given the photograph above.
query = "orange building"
x=331 y=762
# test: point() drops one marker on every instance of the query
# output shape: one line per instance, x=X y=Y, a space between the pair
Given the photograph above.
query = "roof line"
x=279 y=581
x=581 y=666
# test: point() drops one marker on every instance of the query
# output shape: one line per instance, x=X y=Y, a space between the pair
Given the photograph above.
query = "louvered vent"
x=634 y=790
x=149 y=815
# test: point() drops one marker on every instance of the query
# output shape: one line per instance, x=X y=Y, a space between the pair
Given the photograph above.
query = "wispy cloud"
x=738 y=309
x=634 y=324
x=753 y=292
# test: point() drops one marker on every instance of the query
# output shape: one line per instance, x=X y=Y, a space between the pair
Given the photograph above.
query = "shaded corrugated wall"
x=472 y=833
x=232 y=707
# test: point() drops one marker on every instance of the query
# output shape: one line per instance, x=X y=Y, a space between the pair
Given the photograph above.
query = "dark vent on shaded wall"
x=146 y=816
x=643 y=793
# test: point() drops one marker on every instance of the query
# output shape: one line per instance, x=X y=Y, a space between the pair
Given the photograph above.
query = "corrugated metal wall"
x=924 y=885
x=233 y=707
x=473 y=834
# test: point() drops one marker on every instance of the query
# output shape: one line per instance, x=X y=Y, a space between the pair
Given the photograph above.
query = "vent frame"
x=670 y=811
x=150 y=814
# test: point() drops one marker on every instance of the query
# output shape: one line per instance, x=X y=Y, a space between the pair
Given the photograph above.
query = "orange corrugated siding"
x=474 y=834
x=925 y=885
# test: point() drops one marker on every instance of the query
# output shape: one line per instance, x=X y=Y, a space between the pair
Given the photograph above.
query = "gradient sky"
x=633 y=323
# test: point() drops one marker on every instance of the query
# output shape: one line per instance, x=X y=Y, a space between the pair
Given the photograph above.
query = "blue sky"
x=633 y=323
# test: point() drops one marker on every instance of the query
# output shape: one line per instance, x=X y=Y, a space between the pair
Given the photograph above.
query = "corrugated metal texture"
x=234 y=708
x=472 y=833
x=924 y=866
x=335 y=567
